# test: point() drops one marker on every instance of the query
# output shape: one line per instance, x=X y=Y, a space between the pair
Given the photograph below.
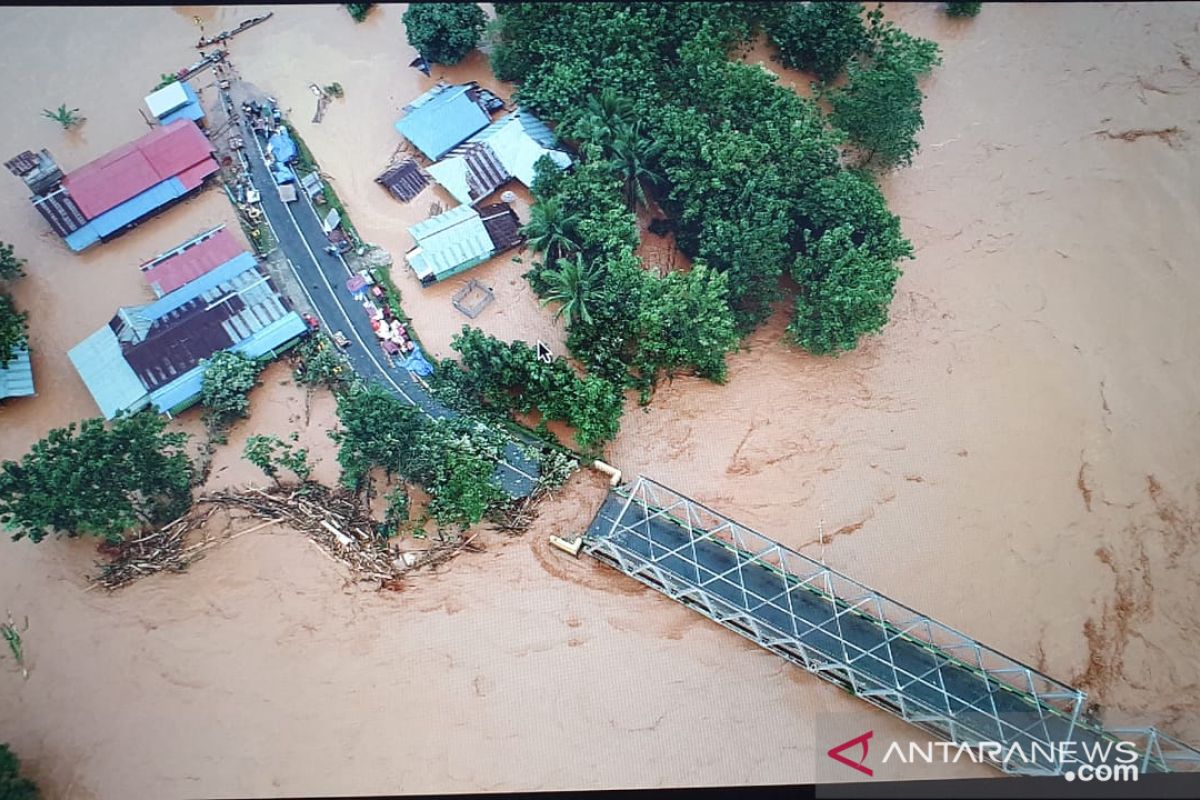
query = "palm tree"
x=67 y=117
x=631 y=157
x=551 y=230
x=608 y=113
x=574 y=284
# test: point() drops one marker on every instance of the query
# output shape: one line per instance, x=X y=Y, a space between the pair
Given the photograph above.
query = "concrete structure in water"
x=154 y=355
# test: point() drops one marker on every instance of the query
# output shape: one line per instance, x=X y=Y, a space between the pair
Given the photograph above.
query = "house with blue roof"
x=16 y=377
x=505 y=150
x=154 y=355
x=444 y=117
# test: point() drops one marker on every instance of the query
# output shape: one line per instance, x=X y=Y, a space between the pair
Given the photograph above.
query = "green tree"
x=960 y=9
x=319 y=362
x=444 y=32
x=880 y=108
x=359 y=10
x=11 y=267
x=397 y=511
x=819 y=37
x=270 y=454
x=225 y=388
x=631 y=155
x=376 y=429
x=67 y=117
x=551 y=229
x=575 y=285
x=98 y=481
x=687 y=322
x=844 y=295
x=12 y=785
x=12 y=329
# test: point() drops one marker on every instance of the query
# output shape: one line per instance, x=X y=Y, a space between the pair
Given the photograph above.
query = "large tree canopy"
x=97 y=480
x=444 y=32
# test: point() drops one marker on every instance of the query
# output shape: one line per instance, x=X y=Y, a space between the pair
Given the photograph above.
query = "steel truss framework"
x=882 y=651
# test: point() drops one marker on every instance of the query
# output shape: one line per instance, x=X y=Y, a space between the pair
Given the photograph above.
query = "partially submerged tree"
x=67 y=117
x=88 y=479
x=225 y=389
x=11 y=266
x=960 y=9
x=551 y=229
x=444 y=32
x=844 y=293
x=271 y=454
x=12 y=785
x=818 y=37
x=359 y=10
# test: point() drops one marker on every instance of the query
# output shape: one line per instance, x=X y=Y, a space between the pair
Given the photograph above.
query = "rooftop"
x=448 y=244
x=443 y=118
x=16 y=377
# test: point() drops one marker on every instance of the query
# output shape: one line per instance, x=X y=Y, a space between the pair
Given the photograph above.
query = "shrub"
x=359 y=10
x=225 y=389
x=819 y=37
x=963 y=9
x=12 y=785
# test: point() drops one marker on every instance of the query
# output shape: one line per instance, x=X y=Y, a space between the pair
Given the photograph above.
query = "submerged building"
x=16 y=377
x=115 y=192
x=507 y=149
x=153 y=355
x=176 y=100
x=445 y=116
x=459 y=239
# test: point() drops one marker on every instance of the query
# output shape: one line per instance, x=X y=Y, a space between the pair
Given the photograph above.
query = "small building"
x=444 y=117
x=459 y=239
x=176 y=100
x=507 y=149
x=404 y=181
x=16 y=377
x=151 y=355
x=108 y=196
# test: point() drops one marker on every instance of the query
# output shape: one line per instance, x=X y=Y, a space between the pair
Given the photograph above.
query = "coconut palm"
x=631 y=157
x=551 y=230
x=67 y=117
x=608 y=113
x=575 y=285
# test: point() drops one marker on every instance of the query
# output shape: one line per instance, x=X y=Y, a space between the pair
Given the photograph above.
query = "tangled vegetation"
x=271 y=454
x=13 y=323
x=748 y=174
x=959 y=9
x=359 y=10
x=88 y=479
x=444 y=32
x=319 y=363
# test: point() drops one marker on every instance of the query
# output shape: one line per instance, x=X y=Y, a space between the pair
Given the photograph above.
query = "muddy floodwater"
x=1017 y=454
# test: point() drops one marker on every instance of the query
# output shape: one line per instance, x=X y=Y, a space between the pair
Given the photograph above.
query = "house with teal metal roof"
x=507 y=149
x=443 y=118
x=16 y=377
x=154 y=355
x=448 y=244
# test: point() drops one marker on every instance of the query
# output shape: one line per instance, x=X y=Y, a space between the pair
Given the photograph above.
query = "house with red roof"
x=115 y=192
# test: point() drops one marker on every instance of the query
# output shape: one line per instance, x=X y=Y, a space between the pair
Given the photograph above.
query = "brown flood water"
x=1016 y=454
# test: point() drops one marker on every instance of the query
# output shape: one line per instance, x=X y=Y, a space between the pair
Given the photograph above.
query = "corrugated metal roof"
x=474 y=172
x=137 y=207
x=16 y=377
x=503 y=227
x=167 y=99
x=443 y=121
x=152 y=351
x=508 y=148
x=190 y=260
x=449 y=243
x=60 y=211
x=101 y=364
x=131 y=169
x=405 y=181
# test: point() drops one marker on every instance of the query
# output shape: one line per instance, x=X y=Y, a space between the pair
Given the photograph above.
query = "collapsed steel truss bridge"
x=881 y=651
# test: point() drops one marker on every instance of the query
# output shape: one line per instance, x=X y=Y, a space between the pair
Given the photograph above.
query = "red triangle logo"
x=836 y=753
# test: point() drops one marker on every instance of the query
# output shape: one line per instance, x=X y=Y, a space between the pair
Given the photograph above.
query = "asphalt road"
x=297 y=228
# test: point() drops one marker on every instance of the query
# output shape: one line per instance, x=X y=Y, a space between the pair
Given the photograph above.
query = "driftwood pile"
x=335 y=520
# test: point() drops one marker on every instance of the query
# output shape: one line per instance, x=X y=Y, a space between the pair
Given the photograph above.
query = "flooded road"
x=1015 y=455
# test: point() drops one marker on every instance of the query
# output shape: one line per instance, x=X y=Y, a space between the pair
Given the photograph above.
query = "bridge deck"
x=883 y=652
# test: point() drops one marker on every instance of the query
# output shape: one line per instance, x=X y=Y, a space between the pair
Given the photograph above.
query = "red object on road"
x=312 y=321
